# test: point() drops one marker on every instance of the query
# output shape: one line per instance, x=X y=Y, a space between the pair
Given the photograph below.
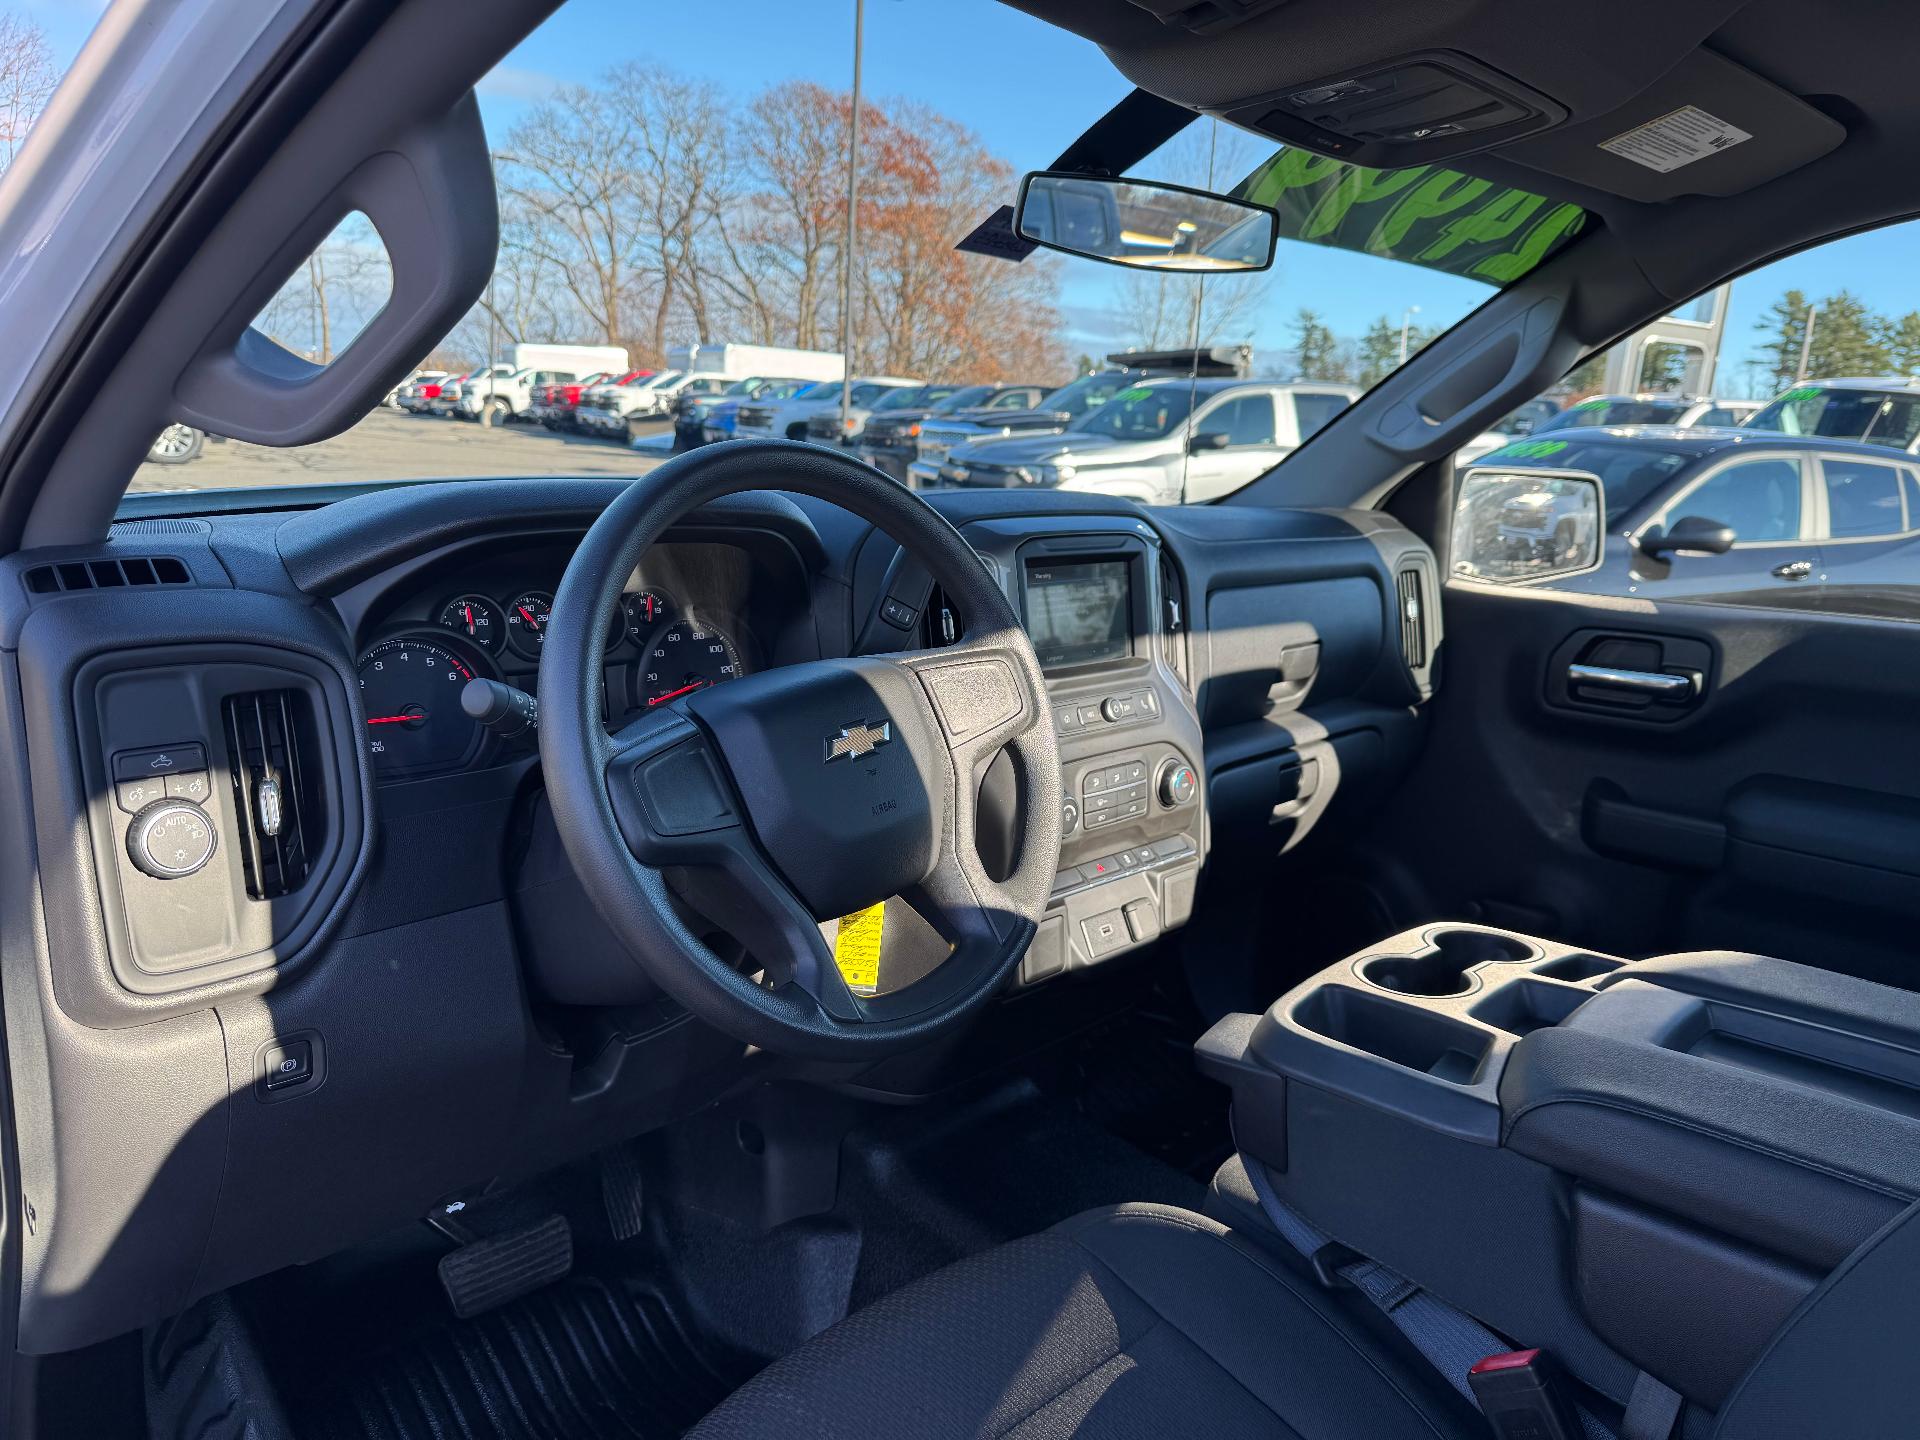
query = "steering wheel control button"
x=681 y=792
x=170 y=839
x=286 y=1065
x=190 y=786
x=1178 y=784
x=134 y=796
x=898 y=613
x=160 y=762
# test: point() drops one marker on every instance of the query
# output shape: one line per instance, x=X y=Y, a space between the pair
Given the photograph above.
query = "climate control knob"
x=1177 y=784
x=170 y=839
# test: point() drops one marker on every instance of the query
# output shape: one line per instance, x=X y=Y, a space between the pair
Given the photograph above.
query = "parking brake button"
x=287 y=1065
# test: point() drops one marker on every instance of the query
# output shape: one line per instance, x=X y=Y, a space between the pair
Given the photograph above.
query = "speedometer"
x=686 y=656
x=411 y=689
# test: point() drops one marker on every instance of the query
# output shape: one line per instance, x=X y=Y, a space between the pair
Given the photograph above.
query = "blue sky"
x=1028 y=90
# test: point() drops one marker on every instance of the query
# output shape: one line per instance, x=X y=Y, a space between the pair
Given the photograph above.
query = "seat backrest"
x=1844 y=1364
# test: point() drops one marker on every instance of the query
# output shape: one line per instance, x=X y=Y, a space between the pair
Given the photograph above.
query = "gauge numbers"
x=411 y=690
x=477 y=618
x=684 y=656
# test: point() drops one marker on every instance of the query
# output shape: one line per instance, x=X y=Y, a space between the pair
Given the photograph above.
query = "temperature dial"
x=170 y=839
x=1178 y=784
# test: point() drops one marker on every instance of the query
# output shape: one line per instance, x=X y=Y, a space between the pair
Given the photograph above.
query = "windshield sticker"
x=1686 y=135
x=1526 y=450
x=1590 y=405
x=1794 y=397
x=1138 y=392
x=1428 y=216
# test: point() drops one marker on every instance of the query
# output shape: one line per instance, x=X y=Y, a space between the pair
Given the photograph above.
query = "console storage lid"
x=1768 y=1101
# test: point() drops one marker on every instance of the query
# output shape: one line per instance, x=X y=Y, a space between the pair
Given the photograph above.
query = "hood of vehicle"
x=1064 y=445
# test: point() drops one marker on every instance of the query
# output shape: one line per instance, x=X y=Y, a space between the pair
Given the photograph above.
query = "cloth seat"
x=1138 y=1322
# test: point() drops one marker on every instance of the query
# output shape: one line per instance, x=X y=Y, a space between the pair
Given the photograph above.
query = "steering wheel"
x=800 y=794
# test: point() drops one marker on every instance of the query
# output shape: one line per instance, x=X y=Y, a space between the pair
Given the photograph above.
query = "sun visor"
x=1708 y=127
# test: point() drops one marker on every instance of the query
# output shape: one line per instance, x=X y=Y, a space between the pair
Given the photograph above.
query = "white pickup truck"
x=607 y=409
x=494 y=400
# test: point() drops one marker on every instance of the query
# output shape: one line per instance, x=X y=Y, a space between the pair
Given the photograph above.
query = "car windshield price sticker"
x=856 y=948
x=1686 y=135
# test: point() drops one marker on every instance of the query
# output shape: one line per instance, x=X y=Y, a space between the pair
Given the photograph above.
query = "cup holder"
x=1576 y=968
x=1442 y=971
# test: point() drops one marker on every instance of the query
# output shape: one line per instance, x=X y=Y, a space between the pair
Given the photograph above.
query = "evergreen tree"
x=1847 y=339
x=1379 y=352
x=1785 y=326
x=1901 y=340
x=1316 y=352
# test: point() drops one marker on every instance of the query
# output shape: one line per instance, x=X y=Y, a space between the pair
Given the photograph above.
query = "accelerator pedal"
x=620 y=1191
x=485 y=1274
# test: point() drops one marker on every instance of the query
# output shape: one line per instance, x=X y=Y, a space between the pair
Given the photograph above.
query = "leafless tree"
x=330 y=299
x=27 y=80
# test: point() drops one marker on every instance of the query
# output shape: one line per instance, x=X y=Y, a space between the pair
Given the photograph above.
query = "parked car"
x=418 y=377
x=610 y=410
x=1679 y=410
x=415 y=397
x=834 y=428
x=1883 y=411
x=507 y=397
x=692 y=413
x=616 y=396
x=1053 y=413
x=1161 y=442
x=788 y=418
x=176 y=445
x=1808 y=517
x=890 y=440
x=556 y=403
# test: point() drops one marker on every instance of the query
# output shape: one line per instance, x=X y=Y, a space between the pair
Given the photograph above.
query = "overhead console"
x=1703 y=1138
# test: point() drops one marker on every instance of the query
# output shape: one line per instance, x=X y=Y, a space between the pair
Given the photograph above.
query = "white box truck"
x=506 y=397
x=744 y=362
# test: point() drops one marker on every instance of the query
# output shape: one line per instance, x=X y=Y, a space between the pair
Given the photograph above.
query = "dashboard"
x=376 y=896
x=694 y=614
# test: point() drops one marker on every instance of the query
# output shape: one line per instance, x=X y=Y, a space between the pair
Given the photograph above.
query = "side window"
x=1245 y=421
x=1315 y=410
x=1759 y=499
x=1014 y=400
x=1718 y=415
x=1863 y=498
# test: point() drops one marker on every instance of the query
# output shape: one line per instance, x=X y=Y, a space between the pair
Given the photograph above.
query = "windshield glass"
x=673 y=205
x=964 y=398
x=1615 y=412
x=1879 y=416
x=1144 y=412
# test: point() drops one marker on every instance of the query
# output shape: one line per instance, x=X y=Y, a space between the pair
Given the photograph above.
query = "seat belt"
x=1451 y=1340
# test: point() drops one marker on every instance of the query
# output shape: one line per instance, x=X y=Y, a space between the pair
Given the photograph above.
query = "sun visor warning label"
x=1686 y=135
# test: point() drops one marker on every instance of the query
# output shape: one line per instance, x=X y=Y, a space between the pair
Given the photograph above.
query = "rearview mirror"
x=1145 y=224
x=1526 y=524
x=1690 y=532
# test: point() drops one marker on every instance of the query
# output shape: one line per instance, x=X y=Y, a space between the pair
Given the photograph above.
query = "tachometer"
x=411 y=690
x=685 y=656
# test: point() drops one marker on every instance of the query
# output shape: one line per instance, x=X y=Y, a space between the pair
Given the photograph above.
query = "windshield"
x=673 y=205
x=1615 y=412
x=964 y=398
x=1629 y=472
x=1145 y=412
x=1878 y=416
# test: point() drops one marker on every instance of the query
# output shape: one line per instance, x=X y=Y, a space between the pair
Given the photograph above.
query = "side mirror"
x=1209 y=440
x=1145 y=224
x=1513 y=525
x=1694 y=533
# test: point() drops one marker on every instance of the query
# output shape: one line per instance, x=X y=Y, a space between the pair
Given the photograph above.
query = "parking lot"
x=391 y=445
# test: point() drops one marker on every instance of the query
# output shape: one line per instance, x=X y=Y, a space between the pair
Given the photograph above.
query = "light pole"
x=1806 y=342
x=1406 y=329
x=846 y=249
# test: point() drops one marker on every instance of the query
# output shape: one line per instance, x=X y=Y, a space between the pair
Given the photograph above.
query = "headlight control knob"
x=1178 y=784
x=170 y=839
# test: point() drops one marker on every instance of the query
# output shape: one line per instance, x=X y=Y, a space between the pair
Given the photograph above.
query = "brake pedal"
x=488 y=1273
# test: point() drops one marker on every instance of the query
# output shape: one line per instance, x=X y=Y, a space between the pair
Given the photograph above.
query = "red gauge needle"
x=469 y=613
x=532 y=624
x=395 y=719
x=676 y=694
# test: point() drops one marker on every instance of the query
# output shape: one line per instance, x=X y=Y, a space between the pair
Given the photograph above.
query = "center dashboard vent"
x=269 y=738
x=112 y=574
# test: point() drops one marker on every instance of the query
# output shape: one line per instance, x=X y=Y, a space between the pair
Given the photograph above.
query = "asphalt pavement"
x=393 y=445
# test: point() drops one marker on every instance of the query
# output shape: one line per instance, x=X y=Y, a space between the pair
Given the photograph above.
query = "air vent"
x=1173 y=620
x=269 y=735
x=1413 y=618
x=108 y=574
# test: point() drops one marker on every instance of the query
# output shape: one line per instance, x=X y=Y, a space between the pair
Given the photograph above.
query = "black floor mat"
x=581 y=1360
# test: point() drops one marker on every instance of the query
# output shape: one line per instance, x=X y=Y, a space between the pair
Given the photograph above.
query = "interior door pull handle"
x=1647 y=684
x=1794 y=570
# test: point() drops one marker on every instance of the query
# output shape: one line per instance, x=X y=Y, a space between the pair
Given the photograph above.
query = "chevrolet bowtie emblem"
x=853 y=741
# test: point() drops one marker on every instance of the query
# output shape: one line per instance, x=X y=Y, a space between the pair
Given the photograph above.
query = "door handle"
x=1793 y=570
x=1640 y=684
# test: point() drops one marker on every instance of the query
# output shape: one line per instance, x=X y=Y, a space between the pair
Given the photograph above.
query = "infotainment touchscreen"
x=1079 y=612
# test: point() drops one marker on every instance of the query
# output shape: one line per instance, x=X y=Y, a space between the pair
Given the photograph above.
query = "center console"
x=1098 y=599
x=1642 y=1166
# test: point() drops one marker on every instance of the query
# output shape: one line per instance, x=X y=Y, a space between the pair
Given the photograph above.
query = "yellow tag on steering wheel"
x=856 y=948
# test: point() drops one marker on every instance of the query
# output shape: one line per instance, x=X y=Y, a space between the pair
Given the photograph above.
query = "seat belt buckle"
x=1524 y=1397
x=1330 y=1259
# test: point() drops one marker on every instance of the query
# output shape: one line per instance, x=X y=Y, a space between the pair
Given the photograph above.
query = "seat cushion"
x=1140 y=1321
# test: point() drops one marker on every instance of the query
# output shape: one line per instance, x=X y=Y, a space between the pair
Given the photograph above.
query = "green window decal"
x=1426 y=215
